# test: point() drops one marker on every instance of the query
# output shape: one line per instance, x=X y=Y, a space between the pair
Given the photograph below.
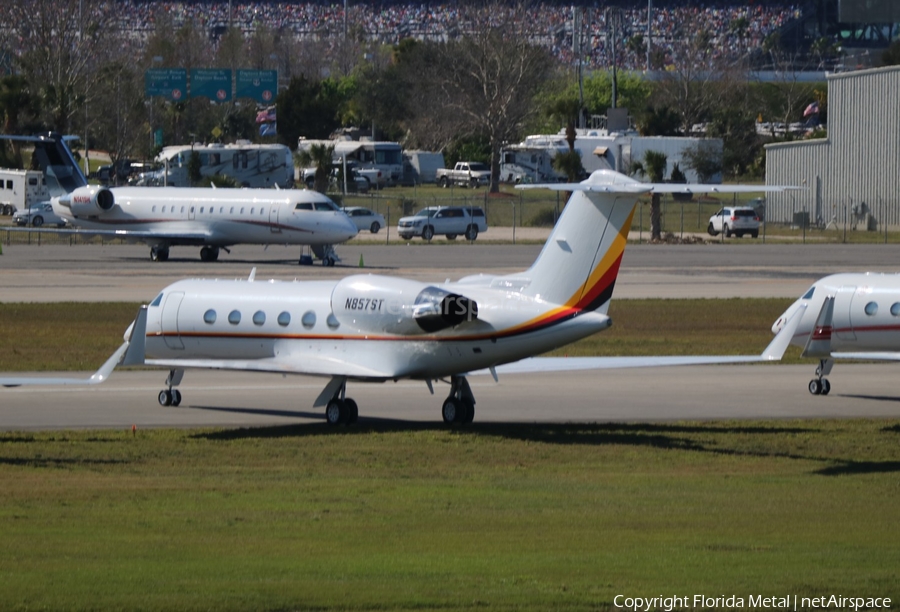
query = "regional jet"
x=846 y=316
x=210 y=218
x=373 y=328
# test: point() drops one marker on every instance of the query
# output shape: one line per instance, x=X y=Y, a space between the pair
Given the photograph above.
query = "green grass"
x=505 y=517
x=80 y=336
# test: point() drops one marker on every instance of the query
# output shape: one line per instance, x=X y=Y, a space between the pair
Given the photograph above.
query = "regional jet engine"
x=88 y=201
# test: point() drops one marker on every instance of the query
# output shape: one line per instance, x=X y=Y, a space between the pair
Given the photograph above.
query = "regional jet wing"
x=773 y=352
x=309 y=366
x=193 y=237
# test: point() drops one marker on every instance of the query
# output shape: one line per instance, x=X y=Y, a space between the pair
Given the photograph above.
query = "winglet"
x=778 y=345
x=819 y=342
x=136 y=339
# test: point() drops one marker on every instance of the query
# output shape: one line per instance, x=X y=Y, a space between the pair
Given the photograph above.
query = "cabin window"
x=231 y=211
x=262 y=211
x=153 y=209
x=332 y=321
x=163 y=209
x=284 y=319
x=234 y=317
x=309 y=319
x=252 y=210
x=871 y=308
x=201 y=210
x=242 y=210
x=259 y=317
x=157 y=301
x=895 y=309
x=209 y=316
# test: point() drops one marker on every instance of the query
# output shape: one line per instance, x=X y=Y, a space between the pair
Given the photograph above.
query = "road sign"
x=169 y=83
x=261 y=85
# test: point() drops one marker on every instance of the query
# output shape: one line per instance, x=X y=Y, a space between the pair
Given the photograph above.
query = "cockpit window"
x=325 y=206
x=157 y=301
x=808 y=295
x=303 y=206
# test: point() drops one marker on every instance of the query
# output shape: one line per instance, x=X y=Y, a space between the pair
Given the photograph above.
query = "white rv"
x=251 y=165
x=531 y=161
x=20 y=189
x=384 y=156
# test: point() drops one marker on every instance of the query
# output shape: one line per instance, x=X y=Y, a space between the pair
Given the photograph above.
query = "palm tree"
x=654 y=167
x=318 y=156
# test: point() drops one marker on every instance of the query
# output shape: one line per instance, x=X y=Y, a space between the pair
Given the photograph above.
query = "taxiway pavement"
x=229 y=399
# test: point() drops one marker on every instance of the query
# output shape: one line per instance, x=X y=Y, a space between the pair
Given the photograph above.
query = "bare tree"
x=59 y=45
x=483 y=84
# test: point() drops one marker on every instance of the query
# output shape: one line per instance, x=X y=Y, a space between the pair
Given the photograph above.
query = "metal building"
x=858 y=163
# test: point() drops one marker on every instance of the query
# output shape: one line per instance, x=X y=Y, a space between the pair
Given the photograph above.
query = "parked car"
x=365 y=219
x=450 y=221
x=38 y=215
x=737 y=220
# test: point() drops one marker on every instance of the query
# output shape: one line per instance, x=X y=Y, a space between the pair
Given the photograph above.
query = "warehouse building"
x=853 y=175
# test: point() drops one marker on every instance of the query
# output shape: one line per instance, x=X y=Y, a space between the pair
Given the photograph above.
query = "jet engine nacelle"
x=89 y=201
x=381 y=304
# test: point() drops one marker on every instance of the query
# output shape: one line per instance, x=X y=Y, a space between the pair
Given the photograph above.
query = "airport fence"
x=686 y=220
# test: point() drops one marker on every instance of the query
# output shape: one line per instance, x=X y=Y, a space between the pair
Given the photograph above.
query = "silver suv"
x=737 y=220
x=451 y=221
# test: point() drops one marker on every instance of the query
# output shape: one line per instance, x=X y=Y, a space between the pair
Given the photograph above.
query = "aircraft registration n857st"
x=846 y=316
x=210 y=218
x=372 y=328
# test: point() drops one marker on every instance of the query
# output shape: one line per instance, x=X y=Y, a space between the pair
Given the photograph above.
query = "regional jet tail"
x=371 y=328
x=845 y=316
x=209 y=218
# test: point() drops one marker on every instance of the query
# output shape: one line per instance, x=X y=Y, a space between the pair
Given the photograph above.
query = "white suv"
x=737 y=220
x=451 y=221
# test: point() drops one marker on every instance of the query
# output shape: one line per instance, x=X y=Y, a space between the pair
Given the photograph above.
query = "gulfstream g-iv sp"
x=370 y=328
x=212 y=219
x=846 y=316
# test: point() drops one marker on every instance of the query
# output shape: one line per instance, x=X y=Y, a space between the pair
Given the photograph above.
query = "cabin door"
x=171 y=333
x=273 y=219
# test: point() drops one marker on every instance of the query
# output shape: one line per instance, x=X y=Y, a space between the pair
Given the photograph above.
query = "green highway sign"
x=211 y=83
x=169 y=83
x=261 y=85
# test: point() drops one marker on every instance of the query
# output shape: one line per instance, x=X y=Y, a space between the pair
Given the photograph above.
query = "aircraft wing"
x=773 y=352
x=97 y=377
x=871 y=356
x=195 y=237
x=635 y=188
x=291 y=365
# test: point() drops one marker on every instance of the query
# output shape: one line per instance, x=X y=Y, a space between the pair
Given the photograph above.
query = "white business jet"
x=210 y=218
x=846 y=316
x=369 y=328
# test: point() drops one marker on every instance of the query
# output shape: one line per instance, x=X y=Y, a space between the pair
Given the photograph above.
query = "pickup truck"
x=451 y=221
x=359 y=180
x=466 y=174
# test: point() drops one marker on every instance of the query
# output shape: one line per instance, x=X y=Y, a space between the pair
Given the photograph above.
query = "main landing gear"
x=209 y=253
x=159 y=253
x=820 y=385
x=170 y=396
x=459 y=407
x=341 y=410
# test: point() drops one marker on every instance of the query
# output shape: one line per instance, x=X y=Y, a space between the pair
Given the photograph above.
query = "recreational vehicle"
x=20 y=189
x=384 y=156
x=250 y=165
